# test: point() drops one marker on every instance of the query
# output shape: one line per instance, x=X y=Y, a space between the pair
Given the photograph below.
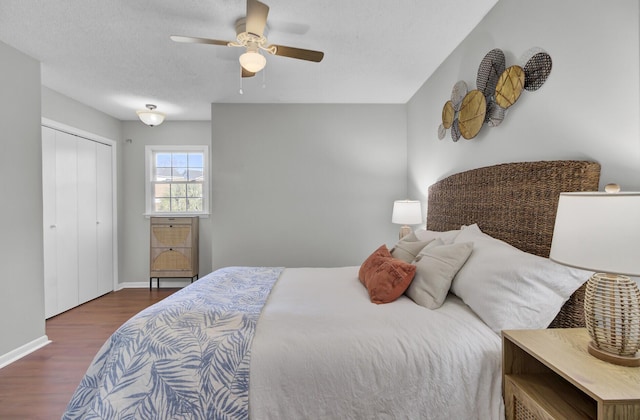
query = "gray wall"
x=296 y=185
x=134 y=242
x=63 y=109
x=305 y=185
x=22 y=297
x=589 y=108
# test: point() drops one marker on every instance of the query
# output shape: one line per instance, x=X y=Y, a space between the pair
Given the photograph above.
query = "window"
x=177 y=180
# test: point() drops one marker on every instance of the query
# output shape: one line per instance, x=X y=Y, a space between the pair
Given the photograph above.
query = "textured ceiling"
x=116 y=55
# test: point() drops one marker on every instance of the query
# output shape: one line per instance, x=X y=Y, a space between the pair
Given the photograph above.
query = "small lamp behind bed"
x=601 y=232
x=406 y=212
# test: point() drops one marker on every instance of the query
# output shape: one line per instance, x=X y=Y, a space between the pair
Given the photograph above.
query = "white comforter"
x=322 y=350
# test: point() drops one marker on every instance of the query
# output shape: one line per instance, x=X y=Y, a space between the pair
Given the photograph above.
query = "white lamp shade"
x=150 y=116
x=598 y=232
x=406 y=212
x=253 y=61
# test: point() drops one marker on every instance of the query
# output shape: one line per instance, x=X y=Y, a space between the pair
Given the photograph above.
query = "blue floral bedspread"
x=186 y=357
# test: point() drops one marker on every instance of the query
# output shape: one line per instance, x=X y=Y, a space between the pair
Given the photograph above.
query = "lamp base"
x=404 y=231
x=629 y=361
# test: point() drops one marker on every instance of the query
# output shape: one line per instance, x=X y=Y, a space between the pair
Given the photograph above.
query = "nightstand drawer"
x=545 y=397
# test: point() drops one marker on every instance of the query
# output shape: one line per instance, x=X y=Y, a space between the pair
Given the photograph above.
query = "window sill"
x=200 y=215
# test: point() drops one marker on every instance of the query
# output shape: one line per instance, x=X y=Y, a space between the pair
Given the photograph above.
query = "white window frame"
x=149 y=151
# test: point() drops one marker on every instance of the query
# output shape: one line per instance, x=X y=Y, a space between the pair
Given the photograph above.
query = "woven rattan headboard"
x=514 y=202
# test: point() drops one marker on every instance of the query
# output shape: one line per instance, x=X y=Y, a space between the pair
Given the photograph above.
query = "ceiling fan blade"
x=256 y=17
x=195 y=40
x=299 y=53
x=246 y=73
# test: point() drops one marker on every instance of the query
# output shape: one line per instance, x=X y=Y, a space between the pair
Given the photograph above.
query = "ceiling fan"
x=250 y=35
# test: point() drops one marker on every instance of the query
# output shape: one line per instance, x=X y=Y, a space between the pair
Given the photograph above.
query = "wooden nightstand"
x=548 y=374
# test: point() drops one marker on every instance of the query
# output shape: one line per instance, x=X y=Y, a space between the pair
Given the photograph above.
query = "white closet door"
x=104 y=176
x=66 y=220
x=78 y=227
x=87 y=226
x=49 y=221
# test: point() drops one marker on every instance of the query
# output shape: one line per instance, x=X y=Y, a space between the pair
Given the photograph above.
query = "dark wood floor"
x=40 y=385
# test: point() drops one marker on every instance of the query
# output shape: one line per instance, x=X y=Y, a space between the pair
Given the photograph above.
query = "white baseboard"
x=163 y=284
x=22 y=351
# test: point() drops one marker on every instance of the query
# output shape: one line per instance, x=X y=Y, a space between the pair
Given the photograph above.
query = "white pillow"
x=429 y=235
x=511 y=289
x=435 y=268
x=407 y=248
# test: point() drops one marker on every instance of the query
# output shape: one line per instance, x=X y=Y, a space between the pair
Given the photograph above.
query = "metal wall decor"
x=510 y=86
x=498 y=89
x=472 y=112
x=536 y=69
x=451 y=110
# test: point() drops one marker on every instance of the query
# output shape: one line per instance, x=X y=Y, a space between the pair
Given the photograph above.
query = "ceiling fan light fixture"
x=253 y=61
x=251 y=33
x=150 y=116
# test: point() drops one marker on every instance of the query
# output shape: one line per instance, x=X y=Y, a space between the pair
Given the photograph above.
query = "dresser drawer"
x=172 y=220
x=171 y=236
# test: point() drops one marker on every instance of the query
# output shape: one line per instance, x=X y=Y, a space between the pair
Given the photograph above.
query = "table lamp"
x=406 y=212
x=601 y=232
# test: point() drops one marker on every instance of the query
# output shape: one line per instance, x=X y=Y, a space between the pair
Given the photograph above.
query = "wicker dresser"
x=174 y=248
x=548 y=374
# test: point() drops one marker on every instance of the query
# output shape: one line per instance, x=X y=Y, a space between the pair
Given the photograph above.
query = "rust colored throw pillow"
x=385 y=277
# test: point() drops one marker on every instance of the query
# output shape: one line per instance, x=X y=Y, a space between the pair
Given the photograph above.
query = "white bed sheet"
x=322 y=350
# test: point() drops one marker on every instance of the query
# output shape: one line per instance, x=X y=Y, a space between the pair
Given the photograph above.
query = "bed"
x=296 y=343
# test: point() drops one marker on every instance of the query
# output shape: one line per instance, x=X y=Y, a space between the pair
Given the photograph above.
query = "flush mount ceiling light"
x=150 y=116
